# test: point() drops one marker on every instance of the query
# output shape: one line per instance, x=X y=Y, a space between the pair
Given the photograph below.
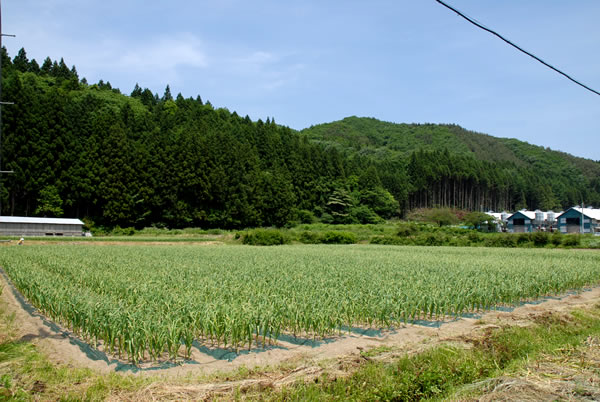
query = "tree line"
x=448 y=166
x=86 y=150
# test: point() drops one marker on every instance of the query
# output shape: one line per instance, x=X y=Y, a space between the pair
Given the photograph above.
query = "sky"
x=307 y=62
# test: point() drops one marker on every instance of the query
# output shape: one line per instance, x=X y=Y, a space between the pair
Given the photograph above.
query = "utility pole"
x=2 y=103
x=582 y=226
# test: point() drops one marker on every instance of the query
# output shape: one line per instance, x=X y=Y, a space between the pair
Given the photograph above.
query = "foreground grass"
x=448 y=372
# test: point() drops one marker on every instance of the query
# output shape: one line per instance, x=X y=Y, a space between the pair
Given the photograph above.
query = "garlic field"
x=150 y=301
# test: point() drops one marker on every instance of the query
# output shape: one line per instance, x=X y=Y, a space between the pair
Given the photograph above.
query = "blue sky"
x=310 y=62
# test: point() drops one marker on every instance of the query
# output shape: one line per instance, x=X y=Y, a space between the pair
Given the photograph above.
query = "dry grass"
x=571 y=374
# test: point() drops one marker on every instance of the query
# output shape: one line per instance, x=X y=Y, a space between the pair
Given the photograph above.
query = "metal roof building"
x=26 y=226
x=570 y=220
x=531 y=221
x=521 y=221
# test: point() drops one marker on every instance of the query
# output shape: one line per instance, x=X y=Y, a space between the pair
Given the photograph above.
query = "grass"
x=444 y=371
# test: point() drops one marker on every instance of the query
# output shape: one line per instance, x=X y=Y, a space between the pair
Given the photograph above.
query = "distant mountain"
x=570 y=178
x=376 y=137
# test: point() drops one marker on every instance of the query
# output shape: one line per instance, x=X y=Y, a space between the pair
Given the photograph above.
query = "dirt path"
x=130 y=242
x=283 y=364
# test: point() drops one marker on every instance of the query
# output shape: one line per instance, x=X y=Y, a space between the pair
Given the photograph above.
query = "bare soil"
x=130 y=242
x=288 y=362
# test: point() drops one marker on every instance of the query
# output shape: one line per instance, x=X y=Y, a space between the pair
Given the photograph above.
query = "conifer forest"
x=86 y=150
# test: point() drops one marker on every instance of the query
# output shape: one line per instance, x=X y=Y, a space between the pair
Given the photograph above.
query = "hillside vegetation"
x=443 y=161
x=87 y=150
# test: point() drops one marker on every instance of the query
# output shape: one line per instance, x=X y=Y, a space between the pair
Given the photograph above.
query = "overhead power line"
x=477 y=24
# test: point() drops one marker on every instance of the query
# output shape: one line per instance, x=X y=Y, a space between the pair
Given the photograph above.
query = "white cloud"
x=153 y=63
x=264 y=70
x=164 y=54
x=253 y=63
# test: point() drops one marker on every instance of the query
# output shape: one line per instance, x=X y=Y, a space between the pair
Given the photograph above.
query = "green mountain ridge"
x=88 y=151
x=554 y=171
x=367 y=135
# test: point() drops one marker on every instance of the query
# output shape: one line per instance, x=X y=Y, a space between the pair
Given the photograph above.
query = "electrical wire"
x=479 y=25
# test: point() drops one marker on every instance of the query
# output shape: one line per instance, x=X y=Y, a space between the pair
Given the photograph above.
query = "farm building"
x=531 y=221
x=521 y=222
x=499 y=222
x=570 y=220
x=25 y=226
x=497 y=215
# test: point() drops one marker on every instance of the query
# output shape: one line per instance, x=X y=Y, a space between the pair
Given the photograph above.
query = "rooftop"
x=49 y=221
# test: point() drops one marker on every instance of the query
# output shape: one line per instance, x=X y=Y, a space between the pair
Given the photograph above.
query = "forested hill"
x=548 y=179
x=86 y=150
x=383 y=139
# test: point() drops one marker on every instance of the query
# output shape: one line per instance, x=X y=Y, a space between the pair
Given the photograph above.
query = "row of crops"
x=147 y=301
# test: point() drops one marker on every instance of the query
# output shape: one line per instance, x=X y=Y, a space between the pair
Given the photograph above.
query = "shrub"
x=88 y=224
x=459 y=241
x=100 y=231
x=540 y=239
x=442 y=216
x=479 y=221
x=431 y=239
x=501 y=240
x=365 y=215
x=305 y=216
x=337 y=237
x=522 y=238
x=119 y=231
x=491 y=242
x=594 y=244
x=406 y=229
x=557 y=238
x=308 y=237
x=508 y=240
x=474 y=237
x=571 y=240
x=215 y=231
x=265 y=237
x=291 y=224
